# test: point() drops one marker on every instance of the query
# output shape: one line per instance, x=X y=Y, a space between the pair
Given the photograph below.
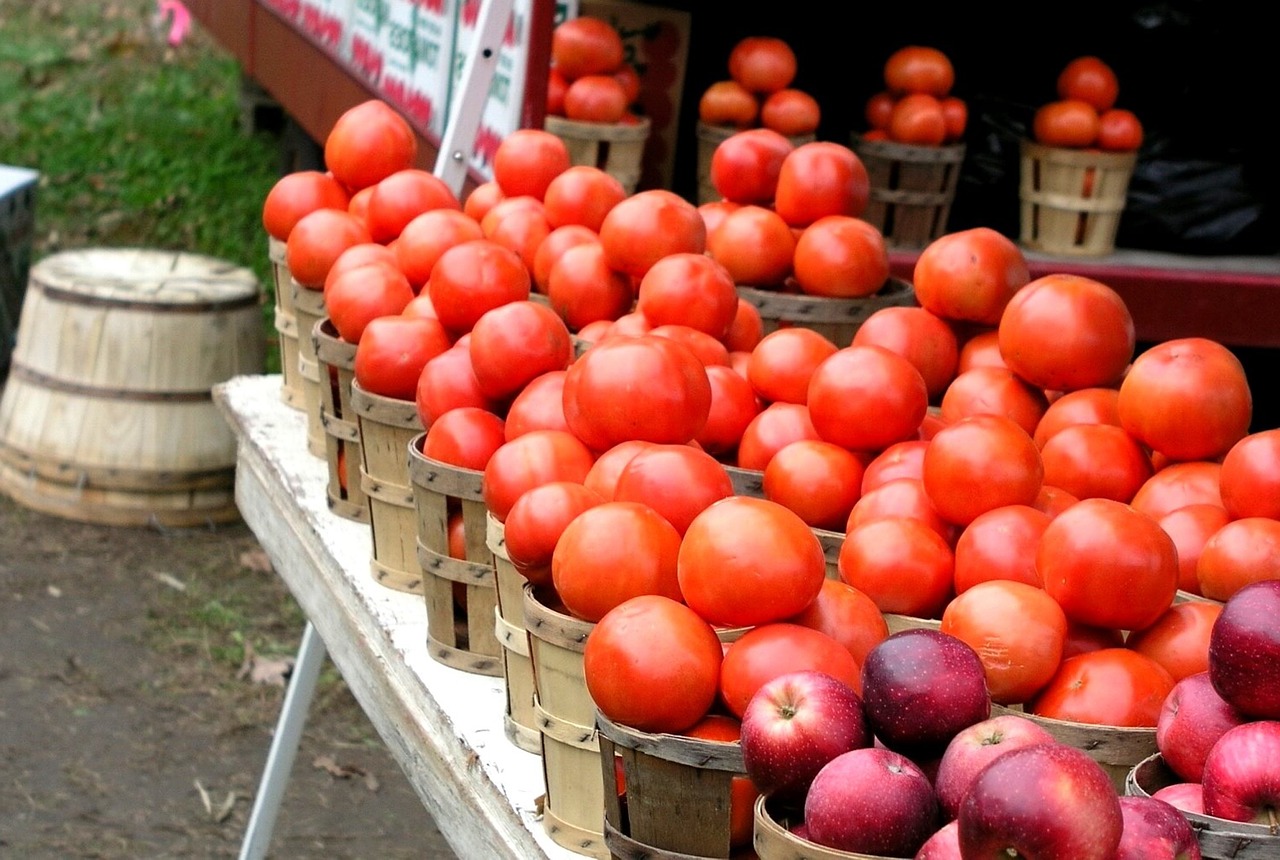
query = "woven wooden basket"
x=309 y=309
x=615 y=148
x=336 y=359
x=836 y=319
x=912 y=189
x=520 y=721
x=285 y=323
x=1072 y=199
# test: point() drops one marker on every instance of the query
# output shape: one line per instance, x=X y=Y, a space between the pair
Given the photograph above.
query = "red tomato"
x=778 y=648
x=1017 y=631
x=583 y=288
x=582 y=195
x=865 y=398
x=900 y=563
x=537 y=457
x=1109 y=687
x=557 y=85
x=877 y=109
x=993 y=391
x=782 y=364
x=818 y=480
x=1179 y=640
x=747 y=328
x=981 y=350
x=955 y=113
x=754 y=245
x=514 y=344
x=818 y=179
x=1241 y=552
x=748 y=561
x=1108 y=565
x=839 y=256
x=705 y=348
x=776 y=426
x=1250 y=477
x=919 y=69
x=538 y=406
x=368 y=143
x=357 y=296
x=357 y=256
x=316 y=242
x=429 y=235
x=900 y=460
x=1082 y=406
x=1096 y=461
x=919 y=336
x=762 y=64
x=653 y=664
x=465 y=438
x=900 y=497
x=1178 y=485
x=733 y=406
x=969 y=275
x=586 y=46
x=446 y=382
x=847 y=615
x=1187 y=399
x=596 y=98
x=557 y=242
x=300 y=193
x=917 y=119
x=475 y=277
x=745 y=166
x=536 y=521
x=728 y=103
x=399 y=198
x=714 y=212
x=689 y=289
x=1119 y=130
x=1190 y=527
x=392 y=352
x=527 y=160
x=1064 y=332
x=1000 y=544
x=980 y=463
x=603 y=477
x=521 y=230
x=1089 y=79
x=676 y=481
x=482 y=198
x=1068 y=123
x=627 y=75
x=791 y=112
x=648 y=226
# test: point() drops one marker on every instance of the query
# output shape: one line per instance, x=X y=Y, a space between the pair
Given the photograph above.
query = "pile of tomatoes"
x=1085 y=114
x=917 y=106
x=590 y=79
x=759 y=91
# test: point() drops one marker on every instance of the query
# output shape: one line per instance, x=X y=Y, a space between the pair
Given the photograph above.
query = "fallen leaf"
x=256 y=559
x=343 y=771
x=224 y=811
x=264 y=670
x=204 y=798
x=170 y=580
x=54 y=591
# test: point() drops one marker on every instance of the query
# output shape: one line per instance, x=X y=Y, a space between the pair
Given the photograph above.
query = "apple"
x=1242 y=775
x=944 y=844
x=1244 y=650
x=1187 y=796
x=1048 y=801
x=871 y=801
x=1154 y=830
x=920 y=688
x=796 y=723
x=1191 y=720
x=977 y=746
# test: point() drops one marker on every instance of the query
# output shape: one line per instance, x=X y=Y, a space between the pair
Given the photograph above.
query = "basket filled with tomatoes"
x=914 y=146
x=591 y=93
x=519 y=722
x=1075 y=170
x=336 y=358
x=759 y=93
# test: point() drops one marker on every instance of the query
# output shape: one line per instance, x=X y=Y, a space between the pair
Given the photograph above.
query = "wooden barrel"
x=836 y=319
x=336 y=359
x=309 y=309
x=286 y=323
x=107 y=415
x=517 y=667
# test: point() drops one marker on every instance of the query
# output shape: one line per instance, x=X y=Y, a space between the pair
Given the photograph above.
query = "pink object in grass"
x=179 y=20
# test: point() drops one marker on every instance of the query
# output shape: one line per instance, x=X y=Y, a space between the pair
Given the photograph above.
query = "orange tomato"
x=1096 y=461
x=1250 y=477
x=917 y=119
x=648 y=226
x=754 y=245
x=1241 y=552
x=316 y=242
x=791 y=112
x=878 y=109
x=1069 y=123
x=777 y=425
x=300 y=193
x=818 y=480
x=900 y=563
x=586 y=46
x=595 y=98
x=1119 y=130
x=1179 y=640
x=1082 y=406
x=979 y=463
x=1109 y=686
x=1000 y=544
x=527 y=160
x=847 y=615
x=993 y=391
x=865 y=398
x=969 y=275
x=689 y=289
x=1190 y=527
x=583 y=195
x=919 y=69
x=840 y=256
x=762 y=64
x=368 y=143
x=922 y=337
x=728 y=103
x=1178 y=485
x=1091 y=80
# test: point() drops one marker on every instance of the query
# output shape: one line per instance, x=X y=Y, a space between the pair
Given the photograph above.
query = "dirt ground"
x=140 y=681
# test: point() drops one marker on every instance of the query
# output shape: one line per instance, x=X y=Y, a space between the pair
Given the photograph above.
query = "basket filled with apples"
x=1075 y=169
x=913 y=147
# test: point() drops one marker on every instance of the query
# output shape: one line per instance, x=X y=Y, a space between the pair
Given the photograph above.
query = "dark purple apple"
x=920 y=688
x=871 y=801
x=944 y=844
x=1191 y=720
x=1244 y=650
x=795 y=724
x=1187 y=796
x=1154 y=830
x=1242 y=775
x=1048 y=801
x=977 y=746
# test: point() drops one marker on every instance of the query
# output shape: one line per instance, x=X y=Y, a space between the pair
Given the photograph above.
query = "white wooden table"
x=444 y=726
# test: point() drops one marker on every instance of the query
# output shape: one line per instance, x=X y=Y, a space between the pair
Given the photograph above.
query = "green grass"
x=137 y=143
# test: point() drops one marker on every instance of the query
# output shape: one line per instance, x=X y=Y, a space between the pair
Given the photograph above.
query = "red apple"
x=1187 y=796
x=1048 y=801
x=976 y=747
x=794 y=725
x=944 y=844
x=1154 y=830
x=920 y=688
x=1244 y=650
x=1242 y=775
x=871 y=801
x=1191 y=720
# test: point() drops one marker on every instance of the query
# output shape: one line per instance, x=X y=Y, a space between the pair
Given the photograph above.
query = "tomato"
x=993 y=391
x=706 y=348
x=919 y=69
x=1119 y=130
x=783 y=363
x=1250 y=477
x=714 y=212
x=399 y=198
x=839 y=256
x=747 y=329
x=446 y=382
x=1069 y=123
x=847 y=615
x=742 y=791
x=1096 y=461
x=745 y=166
x=1089 y=79
x=357 y=256
x=557 y=85
x=728 y=103
x=509 y=206
x=1179 y=640
x=475 y=277
x=514 y=344
x=900 y=497
x=583 y=288
x=1190 y=527
x=649 y=388
x=981 y=350
x=465 y=438
x=1107 y=687
x=748 y=561
x=429 y=235
x=917 y=119
x=648 y=226
x=521 y=230
x=1082 y=406
x=762 y=64
x=865 y=398
x=791 y=112
x=316 y=242
x=538 y=406
x=776 y=426
x=595 y=98
x=368 y=143
x=536 y=521
x=1063 y=332
x=877 y=110
x=969 y=275
x=537 y=457
x=771 y=650
x=1178 y=485
x=1241 y=552
x=1108 y=565
x=1187 y=399
x=603 y=477
x=1017 y=631
x=821 y=178
x=900 y=563
x=527 y=160
x=754 y=245
x=981 y=462
x=1000 y=544
x=1082 y=638
x=919 y=336
x=482 y=198
x=392 y=352
x=955 y=116
x=689 y=289
x=733 y=406
x=653 y=664
x=900 y=460
x=300 y=193
x=586 y=46
x=818 y=480
x=627 y=75
x=358 y=296
x=583 y=195
x=676 y=481
x=556 y=243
